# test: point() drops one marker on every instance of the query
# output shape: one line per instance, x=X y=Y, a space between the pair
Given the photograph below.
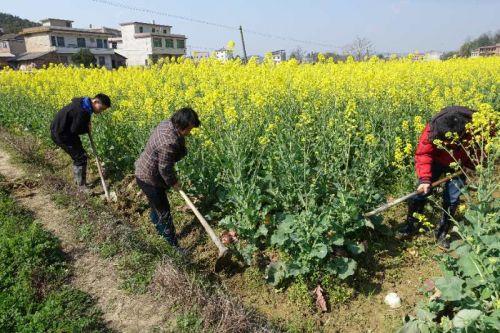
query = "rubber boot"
x=412 y=223
x=444 y=227
x=166 y=228
x=80 y=174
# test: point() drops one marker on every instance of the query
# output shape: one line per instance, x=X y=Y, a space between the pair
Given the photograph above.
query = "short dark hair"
x=104 y=99
x=184 y=118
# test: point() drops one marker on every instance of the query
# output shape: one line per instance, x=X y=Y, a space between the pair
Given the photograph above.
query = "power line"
x=151 y=11
x=223 y=26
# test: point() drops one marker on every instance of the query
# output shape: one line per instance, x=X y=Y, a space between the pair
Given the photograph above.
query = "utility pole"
x=243 y=44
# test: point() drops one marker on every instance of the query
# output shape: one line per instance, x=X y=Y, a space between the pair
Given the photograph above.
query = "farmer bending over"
x=432 y=162
x=72 y=121
x=154 y=170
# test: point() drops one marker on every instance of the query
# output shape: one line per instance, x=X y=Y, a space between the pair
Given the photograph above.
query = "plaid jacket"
x=165 y=147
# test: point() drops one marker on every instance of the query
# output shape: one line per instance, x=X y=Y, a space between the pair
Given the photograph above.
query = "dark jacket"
x=71 y=121
x=165 y=147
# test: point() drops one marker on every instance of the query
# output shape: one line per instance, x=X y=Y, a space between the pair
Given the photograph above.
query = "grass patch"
x=34 y=294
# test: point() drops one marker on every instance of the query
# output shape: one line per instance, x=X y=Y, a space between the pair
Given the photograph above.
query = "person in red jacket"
x=432 y=162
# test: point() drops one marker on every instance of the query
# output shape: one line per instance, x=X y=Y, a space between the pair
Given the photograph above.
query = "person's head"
x=185 y=120
x=100 y=103
x=451 y=119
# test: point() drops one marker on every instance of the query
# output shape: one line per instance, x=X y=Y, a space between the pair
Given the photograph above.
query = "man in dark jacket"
x=432 y=162
x=154 y=170
x=72 y=121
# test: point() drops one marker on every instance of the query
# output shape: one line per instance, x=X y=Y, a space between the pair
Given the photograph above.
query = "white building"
x=142 y=43
x=56 y=41
x=278 y=56
x=224 y=54
x=433 y=55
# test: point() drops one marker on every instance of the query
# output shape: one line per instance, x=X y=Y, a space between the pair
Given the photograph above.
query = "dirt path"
x=98 y=277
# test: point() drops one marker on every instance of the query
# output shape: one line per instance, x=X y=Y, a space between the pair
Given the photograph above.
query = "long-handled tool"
x=224 y=257
x=94 y=150
x=408 y=196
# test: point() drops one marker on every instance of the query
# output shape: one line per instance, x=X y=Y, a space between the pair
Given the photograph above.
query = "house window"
x=53 y=41
x=80 y=42
x=157 y=42
x=114 y=45
x=169 y=43
x=105 y=42
x=60 y=41
x=165 y=31
x=102 y=61
x=4 y=45
x=68 y=24
x=153 y=30
x=141 y=30
x=181 y=43
x=99 y=44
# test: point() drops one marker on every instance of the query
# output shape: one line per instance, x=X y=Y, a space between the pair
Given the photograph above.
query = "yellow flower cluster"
x=342 y=94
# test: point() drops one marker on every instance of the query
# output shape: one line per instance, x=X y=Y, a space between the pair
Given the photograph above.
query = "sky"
x=397 y=26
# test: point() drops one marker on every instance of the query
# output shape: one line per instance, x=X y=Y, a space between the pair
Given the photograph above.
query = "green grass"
x=34 y=294
x=188 y=322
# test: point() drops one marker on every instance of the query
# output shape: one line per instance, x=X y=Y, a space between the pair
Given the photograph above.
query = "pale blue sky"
x=392 y=25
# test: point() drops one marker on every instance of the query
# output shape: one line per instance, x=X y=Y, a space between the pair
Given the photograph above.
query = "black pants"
x=73 y=148
x=160 y=210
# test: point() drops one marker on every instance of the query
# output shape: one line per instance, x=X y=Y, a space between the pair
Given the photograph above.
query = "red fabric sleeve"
x=424 y=156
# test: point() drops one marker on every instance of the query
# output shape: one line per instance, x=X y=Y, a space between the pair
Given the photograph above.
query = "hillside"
x=14 y=24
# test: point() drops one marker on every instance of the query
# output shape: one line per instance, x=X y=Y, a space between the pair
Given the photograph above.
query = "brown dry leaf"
x=429 y=285
x=320 y=299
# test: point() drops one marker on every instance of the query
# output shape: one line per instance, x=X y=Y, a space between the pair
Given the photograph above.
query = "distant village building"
x=418 y=56
x=486 y=51
x=11 y=45
x=142 y=43
x=278 y=56
x=257 y=58
x=433 y=55
x=224 y=54
x=198 y=55
x=55 y=41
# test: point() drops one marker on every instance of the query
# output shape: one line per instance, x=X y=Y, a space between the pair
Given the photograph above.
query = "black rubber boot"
x=166 y=228
x=412 y=223
x=80 y=174
x=444 y=227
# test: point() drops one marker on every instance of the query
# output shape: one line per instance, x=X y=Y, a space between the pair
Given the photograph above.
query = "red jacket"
x=428 y=154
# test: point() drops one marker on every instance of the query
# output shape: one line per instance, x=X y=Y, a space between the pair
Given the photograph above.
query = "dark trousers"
x=160 y=210
x=73 y=148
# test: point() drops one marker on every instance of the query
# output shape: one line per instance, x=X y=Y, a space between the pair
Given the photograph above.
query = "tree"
x=360 y=48
x=483 y=40
x=83 y=57
x=13 y=24
x=448 y=55
x=297 y=54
